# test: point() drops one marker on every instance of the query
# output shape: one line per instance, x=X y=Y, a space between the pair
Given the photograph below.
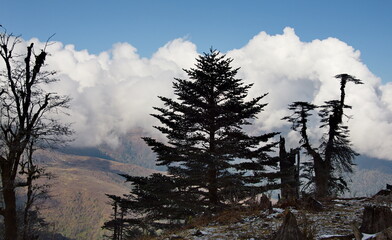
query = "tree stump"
x=289 y=229
x=375 y=219
x=265 y=203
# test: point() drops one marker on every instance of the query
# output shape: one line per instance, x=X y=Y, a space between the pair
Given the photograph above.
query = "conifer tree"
x=211 y=161
x=207 y=147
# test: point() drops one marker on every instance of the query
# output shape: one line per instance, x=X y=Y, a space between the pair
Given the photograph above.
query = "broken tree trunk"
x=288 y=172
x=265 y=203
x=289 y=229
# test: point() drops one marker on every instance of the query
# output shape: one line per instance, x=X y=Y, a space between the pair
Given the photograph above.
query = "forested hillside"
x=78 y=205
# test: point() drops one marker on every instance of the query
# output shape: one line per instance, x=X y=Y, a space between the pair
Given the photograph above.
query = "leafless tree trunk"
x=26 y=112
x=36 y=193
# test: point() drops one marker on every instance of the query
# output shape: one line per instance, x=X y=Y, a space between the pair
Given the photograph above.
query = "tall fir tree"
x=207 y=147
x=211 y=161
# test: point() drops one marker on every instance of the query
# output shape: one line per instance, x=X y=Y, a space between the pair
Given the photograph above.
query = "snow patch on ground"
x=335 y=220
x=368 y=236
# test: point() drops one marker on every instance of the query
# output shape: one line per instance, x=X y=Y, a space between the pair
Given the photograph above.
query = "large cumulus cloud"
x=115 y=90
x=292 y=70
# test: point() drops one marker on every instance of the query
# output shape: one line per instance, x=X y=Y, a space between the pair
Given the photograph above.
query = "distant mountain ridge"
x=132 y=149
x=370 y=163
x=86 y=152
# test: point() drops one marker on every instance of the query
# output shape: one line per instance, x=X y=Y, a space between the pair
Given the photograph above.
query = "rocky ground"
x=334 y=221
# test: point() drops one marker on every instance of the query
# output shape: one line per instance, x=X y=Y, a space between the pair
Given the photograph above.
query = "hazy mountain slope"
x=78 y=207
x=85 y=151
x=132 y=149
x=368 y=163
x=367 y=182
x=370 y=176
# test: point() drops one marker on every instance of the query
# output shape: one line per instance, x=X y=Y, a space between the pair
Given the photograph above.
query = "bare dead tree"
x=28 y=114
x=335 y=155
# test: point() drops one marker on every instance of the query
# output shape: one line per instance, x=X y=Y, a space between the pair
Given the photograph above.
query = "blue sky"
x=223 y=24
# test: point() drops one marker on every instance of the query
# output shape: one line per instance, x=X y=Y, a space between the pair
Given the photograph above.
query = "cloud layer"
x=115 y=91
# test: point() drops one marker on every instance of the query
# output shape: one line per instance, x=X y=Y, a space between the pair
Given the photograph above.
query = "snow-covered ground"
x=336 y=219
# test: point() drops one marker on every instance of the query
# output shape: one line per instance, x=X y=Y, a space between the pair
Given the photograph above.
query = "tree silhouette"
x=334 y=156
x=206 y=144
x=36 y=193
x=27 y=116
x=212 y=162
x=289 y=168
x=336 y=146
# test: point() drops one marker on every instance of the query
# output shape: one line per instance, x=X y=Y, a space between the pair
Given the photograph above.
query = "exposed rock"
x=289 y=229
x=375 y=219
x=198 y=233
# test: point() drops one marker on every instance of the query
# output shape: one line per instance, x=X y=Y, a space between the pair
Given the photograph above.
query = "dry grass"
x=225 y=217
x=146 y=238
x=306 y=226
x=383 y=200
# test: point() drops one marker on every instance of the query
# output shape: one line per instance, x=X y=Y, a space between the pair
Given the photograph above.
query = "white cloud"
x=292 y=70
x=116 y=90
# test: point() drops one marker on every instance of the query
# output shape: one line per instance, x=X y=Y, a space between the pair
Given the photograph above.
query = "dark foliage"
x=212 y=162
